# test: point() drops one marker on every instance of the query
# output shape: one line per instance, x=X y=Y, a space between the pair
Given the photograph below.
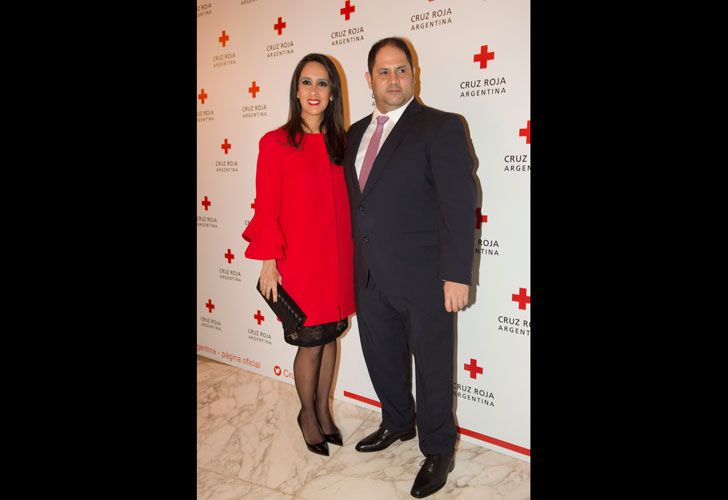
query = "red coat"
x=302 y=220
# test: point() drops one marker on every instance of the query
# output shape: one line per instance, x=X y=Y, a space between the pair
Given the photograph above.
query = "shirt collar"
x=393 y=115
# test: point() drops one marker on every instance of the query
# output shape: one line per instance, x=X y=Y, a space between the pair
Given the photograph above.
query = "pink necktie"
x=372 y=151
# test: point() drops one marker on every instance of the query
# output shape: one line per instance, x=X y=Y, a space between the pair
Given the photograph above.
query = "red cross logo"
x=277 y=370
x=521 y=298
x=202 y=96
x=473 y=368
x=206 y=203
x=254 y=89
x=479 y=218
x=526 y=132
x=223 y=38
x=210 y=306
x=347 y=10
x=252 y=205
x=484 y=56
x=226 y=145
x=229 y=256
x=258 y=317
x=279 y=26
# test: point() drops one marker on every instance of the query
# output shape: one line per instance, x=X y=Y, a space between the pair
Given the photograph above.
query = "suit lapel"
x=390 y=145
x=353 y=149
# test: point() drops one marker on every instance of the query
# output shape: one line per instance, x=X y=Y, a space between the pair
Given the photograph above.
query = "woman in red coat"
x=302 y=232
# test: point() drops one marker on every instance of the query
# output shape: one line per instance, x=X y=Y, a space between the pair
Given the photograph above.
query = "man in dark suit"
x=413 y=224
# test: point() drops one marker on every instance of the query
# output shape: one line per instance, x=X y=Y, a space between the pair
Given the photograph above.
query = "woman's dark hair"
x=332 y=125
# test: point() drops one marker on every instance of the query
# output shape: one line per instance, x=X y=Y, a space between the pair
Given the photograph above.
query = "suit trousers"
x=390 y=328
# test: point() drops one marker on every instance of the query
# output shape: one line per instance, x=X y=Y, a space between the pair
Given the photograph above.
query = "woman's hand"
x=269 y=278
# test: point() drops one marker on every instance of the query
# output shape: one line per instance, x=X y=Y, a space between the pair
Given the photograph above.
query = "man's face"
x=392 y=80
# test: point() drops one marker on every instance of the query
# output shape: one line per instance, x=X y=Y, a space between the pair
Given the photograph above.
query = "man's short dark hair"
x=394 y=41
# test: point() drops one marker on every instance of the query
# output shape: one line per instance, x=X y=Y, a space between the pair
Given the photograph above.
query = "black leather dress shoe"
x=381 y=438
x=319 y=448
x=432 y=475
x=334 y=438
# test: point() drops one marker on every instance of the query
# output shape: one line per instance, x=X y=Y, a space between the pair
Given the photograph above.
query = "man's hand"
x=456 y=296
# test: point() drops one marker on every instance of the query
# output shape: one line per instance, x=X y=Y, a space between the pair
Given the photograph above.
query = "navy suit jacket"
x=414 y=224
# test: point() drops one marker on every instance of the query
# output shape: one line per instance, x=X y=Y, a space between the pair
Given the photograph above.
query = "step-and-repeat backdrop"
x=474 y=60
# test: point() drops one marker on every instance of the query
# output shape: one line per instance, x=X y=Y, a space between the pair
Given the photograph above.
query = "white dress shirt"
x=394 y=116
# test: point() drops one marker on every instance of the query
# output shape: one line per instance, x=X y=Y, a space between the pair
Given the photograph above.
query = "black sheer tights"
x=313 y=369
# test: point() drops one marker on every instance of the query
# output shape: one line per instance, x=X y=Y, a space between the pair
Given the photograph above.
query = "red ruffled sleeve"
x=264 y=231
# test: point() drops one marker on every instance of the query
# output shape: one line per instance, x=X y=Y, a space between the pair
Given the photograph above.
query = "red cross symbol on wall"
x=202 y=96
x=252 y=205
x=258 y=317
x=484 y=56
x=521 y=298
x=279 y=26
x=226 y=145
x=347 y=10
x=206 y=203
x=229 y=256
x=210 y=306
x=473 y=368
x=526 y=132
x=223 y=38
x=254 y=89
x=479 y=218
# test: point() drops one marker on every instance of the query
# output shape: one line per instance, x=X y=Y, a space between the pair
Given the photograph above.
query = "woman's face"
x=314 y=93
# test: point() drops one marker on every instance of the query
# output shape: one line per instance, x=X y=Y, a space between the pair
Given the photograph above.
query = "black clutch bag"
x=286 y=309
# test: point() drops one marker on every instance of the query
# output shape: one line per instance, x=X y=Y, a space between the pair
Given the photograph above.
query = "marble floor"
x=249 y=446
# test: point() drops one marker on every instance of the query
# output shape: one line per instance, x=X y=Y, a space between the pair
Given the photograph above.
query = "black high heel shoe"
x=319 y=448
x=334 y=438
